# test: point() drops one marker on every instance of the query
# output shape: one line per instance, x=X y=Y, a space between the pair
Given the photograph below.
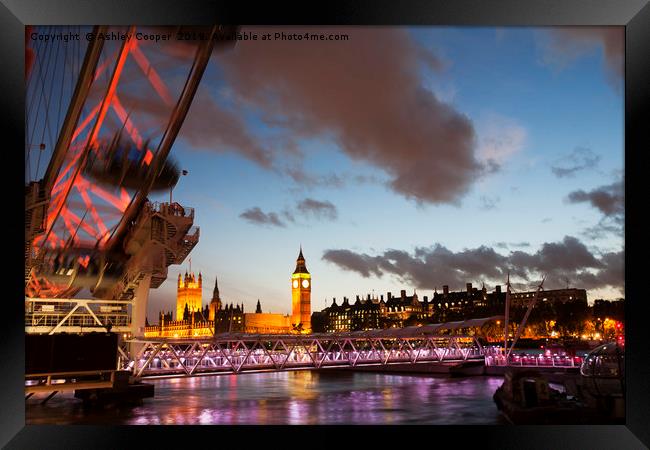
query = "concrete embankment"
x=552 y=374
x=463 y=368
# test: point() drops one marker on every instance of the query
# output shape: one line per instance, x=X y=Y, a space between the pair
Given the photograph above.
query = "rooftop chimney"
x=445 y=289
x=469 y=287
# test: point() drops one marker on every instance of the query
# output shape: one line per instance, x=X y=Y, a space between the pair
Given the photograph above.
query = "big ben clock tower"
x=301 y=295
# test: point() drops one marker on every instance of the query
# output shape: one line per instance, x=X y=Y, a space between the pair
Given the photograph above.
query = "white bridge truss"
x=231 y=354
x=71 y=315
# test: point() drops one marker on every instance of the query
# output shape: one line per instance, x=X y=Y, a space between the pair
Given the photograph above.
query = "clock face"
x=295 y=283
x=305 y=283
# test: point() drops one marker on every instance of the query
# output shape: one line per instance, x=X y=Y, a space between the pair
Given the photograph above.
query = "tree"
x=571 y=317
x=412 y=321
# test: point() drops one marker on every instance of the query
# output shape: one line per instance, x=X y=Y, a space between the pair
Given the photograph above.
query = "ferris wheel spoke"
x=93 y=212
x=152 y=75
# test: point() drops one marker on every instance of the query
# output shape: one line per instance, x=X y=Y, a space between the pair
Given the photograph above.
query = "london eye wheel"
x=103 y=108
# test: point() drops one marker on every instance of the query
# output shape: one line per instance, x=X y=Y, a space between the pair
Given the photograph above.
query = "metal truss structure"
x=56 y=315
x=236 y=354
x=241 y=352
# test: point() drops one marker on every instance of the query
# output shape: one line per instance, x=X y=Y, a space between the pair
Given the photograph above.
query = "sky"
x=405 y=158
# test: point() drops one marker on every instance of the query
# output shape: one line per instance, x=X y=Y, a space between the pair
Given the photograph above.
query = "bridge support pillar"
x=139 y=307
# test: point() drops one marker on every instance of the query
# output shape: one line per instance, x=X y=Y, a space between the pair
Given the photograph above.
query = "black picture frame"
x=633 y=14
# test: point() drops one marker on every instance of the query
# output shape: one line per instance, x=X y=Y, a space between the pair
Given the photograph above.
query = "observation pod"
x=81 y=268
x=123 y=165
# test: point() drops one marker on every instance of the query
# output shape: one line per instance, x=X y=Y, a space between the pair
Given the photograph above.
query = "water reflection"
x=297 y=397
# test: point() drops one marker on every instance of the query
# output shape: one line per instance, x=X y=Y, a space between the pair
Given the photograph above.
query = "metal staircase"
x=162 y=235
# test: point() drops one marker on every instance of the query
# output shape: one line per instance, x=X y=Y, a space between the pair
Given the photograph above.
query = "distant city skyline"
x=406 y=158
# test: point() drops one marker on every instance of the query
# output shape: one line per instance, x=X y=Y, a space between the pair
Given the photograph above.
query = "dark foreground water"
x=299 y=397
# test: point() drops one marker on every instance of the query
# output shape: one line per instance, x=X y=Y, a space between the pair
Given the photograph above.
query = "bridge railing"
x=289 y=352
x=53 y=315
x=534 y=361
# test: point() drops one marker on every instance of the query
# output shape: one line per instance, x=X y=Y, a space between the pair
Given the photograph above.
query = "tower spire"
x=215 y=293
x=300 y=263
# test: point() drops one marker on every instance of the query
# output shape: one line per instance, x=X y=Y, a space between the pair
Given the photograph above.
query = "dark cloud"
x=608 y=199
x=318 y=209
x=366 y=95
x=364 y=264
x=307 y=208
x=563 y=45
x=257 y=216
x=566 y=256
x=432 y=267
x=580 y=159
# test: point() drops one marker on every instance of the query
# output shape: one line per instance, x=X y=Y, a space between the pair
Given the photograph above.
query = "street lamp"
x=171 y=188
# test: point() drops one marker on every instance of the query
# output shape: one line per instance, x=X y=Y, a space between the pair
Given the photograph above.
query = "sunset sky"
x=406 y=158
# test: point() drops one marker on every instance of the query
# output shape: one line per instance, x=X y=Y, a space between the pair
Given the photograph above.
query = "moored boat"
x=526 y=398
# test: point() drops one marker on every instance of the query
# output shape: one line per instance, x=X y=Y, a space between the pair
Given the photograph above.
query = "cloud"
x=563 y=45
x=604 y=228
x=306 y=208
x=432 y=267
x=367 y=95
x=506 y=245
x=608 y=199
x=308 y=180
x=363 y=264
x=208 y=125
x=258 y=217
x=499 y=138
x=579 y=159
x=488 y=203
x=318 y=209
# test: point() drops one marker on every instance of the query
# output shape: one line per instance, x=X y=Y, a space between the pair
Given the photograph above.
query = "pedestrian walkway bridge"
x=239 y=352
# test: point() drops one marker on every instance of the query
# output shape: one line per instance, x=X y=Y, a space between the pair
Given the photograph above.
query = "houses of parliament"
x=194 y=320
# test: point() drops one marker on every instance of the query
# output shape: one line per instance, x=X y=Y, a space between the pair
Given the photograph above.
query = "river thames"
x=291 y=398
